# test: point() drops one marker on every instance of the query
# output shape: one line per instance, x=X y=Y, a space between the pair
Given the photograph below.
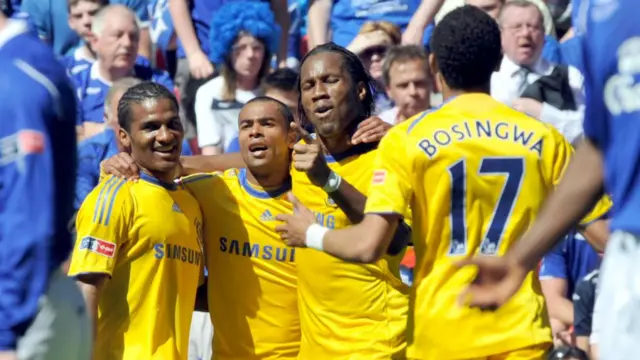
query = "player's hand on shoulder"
x=309 y=158
x=121 y=165
x=496 y=281
x=371 y=130
x=530 y=107
x=293 y=229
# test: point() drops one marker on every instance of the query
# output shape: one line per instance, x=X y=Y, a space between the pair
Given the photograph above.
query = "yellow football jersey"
x=348 y=311
x=253 y=297
x=147 y=237
x=475 y=173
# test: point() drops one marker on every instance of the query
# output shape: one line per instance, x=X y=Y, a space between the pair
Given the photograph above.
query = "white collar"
x=12 y=29
x=510 y=68
x=79 y=55
x=95 y=73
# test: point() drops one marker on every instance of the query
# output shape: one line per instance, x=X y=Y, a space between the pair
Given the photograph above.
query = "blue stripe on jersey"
x=261 y=194
x=96 y=209
x=108 y=195
x=113 y=198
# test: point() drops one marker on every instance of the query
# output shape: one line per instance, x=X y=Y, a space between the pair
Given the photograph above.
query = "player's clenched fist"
x=309 y=158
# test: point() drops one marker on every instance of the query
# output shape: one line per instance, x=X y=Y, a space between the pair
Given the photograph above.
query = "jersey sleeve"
x=562 y=153
x=391 y=190
x=87 y=173
x=599 y=211
x=102 y=228
x=554 y=263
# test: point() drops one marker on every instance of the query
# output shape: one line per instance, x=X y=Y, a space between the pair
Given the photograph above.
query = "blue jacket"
x=37 y=169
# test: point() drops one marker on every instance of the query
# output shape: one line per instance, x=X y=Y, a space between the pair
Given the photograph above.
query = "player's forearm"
x=184 y=26
x=90 y=288
x=209 y=163
x=350 y=201
x=597 y=234
x=363 y=243
x=581 y=186
x=318 y=24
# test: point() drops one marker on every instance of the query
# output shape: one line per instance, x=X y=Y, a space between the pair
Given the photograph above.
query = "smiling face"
x=330 y=101
x=265 y=137
x=155 y=136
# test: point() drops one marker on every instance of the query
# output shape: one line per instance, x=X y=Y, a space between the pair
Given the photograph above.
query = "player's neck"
x=270 y=180
x=340 y=143
x=448 y=93
x=166 y=177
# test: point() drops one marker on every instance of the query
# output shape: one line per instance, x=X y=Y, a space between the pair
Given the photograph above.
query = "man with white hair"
x=522 y=31
x=115 y=41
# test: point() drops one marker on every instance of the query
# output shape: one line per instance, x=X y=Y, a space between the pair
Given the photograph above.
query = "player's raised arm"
x=382 y=226
x=309 y=158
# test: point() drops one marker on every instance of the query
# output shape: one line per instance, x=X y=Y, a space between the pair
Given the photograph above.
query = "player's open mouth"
x=258 y=150
x=323 y=110
x=166 y=150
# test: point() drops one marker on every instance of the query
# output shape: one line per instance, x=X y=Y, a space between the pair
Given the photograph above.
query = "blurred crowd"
x=216 y=55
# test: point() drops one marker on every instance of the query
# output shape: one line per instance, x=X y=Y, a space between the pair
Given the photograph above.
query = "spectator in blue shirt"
x=115 y=41
x=51 y=19
x=561 y=270
x=81 y=14
x=102 y=146
x=42 y=313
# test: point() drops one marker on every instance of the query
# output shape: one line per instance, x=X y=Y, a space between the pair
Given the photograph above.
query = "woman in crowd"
x=371 y=45
x=243 y=38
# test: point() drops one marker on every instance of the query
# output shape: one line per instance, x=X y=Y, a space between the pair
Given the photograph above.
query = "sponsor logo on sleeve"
x=98 y=246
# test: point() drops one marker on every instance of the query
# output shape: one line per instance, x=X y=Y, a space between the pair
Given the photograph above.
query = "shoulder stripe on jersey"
x=195 y=178
x=96 y=209
x=113 y=198
x=426 y=112
x=44 y=81
x=106 y=198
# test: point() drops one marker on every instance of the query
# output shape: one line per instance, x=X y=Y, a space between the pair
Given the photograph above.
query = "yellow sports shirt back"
x=348 y=311
x=252 y=285
x=146 y=236
x=476 y=174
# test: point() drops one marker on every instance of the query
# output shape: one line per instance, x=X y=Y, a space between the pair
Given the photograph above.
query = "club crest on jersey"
x=98 y=246
x=379 y=176
x=621 y=90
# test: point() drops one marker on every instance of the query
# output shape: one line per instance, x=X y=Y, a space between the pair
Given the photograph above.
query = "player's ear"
x=435 y=73
x=125 y=139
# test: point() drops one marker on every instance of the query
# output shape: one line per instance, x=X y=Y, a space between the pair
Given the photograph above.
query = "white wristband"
x=315 y=237
x=333 y=183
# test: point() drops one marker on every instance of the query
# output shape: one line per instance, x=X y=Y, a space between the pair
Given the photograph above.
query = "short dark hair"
x=138 y=94
x=403 y=53
x=466 y=44
x=356 y=71
x=284 y=109
x=283 y=79
x=568 y=352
